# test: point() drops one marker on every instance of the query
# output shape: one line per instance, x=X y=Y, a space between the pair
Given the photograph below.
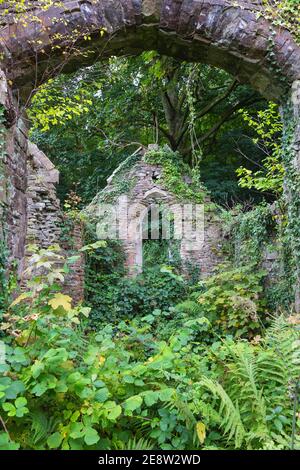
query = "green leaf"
x=39 y=389
x=166 y=394
x=114 y=413
x=150 y=397
x=128 y=379
x=132 y=403
x=94 y=246
x=76 y=430
x=20 y=412
x=85 y=311
x=37 y=368
x=14 y=389
x=54 y=440
x=75 y=377
x=102 y=395
x=6 y=443
x=20 y=402
x=9 y=408
x=91 y=436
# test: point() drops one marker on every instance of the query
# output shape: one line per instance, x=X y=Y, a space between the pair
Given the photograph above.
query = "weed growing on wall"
x=284 y=14
x=291 y=238
x=177 y=177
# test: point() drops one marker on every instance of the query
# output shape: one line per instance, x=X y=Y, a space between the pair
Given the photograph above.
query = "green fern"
x=41 y=427
x=135 y=444
x=256 y=381
x=244 y=389
x=189 y=307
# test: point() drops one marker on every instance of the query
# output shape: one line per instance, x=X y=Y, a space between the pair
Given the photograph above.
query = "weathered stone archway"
x=229 y=34
x=224 y=33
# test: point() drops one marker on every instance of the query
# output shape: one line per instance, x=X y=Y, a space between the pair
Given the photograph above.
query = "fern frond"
x=135 y=444
x=230 y=414
x=243 y=385
x=41 y=427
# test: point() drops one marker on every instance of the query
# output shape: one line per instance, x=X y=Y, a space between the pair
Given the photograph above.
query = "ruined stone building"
x=235 y=36
x=122 y=209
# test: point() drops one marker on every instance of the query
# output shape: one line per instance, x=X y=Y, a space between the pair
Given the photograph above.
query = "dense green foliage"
x=100 y=115
x=160 y=361
x=114 y=297
x=284 y=13
x=268 y=128
x=232 y=300
x=133 y=389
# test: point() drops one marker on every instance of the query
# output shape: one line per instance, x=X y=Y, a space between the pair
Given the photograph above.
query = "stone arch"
x=134 y=244
x=223 y=33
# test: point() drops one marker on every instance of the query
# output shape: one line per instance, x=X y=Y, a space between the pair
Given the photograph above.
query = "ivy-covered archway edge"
x=235 y=35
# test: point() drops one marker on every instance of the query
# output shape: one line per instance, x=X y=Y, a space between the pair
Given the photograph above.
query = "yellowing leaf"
x=85 y=311
x=201 y=432
x=20 y=298
x=61 y=300
x=67 y=365
x=101 y=360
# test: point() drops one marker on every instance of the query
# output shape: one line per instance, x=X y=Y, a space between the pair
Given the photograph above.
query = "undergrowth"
x=148 y=382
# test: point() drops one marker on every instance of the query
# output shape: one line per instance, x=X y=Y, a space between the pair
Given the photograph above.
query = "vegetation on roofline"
x=175 y=173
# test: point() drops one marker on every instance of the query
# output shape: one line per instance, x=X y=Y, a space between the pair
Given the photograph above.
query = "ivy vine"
x=177 y=177
x=292 y=190
x=3 y=232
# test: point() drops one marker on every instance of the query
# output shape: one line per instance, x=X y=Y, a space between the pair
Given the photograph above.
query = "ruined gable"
x=134 y=190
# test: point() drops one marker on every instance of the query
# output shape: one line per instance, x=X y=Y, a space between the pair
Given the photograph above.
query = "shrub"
x=115 y=297
x=232 y=301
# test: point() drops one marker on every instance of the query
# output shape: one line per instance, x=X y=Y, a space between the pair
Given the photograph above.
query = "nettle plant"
x=36 y=326
x=30 y=314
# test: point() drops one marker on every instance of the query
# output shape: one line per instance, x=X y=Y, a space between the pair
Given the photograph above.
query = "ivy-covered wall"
x=3 y=232
x=291 y=118
x=158 y=177
x=29 y=208
x=13 y=180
